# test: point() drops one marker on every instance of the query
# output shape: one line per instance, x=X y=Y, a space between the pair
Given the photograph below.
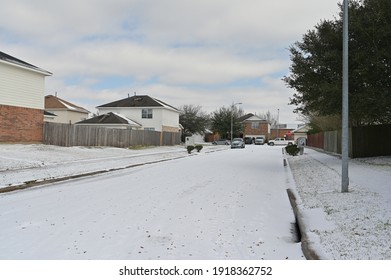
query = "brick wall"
x=261 y=130
x=20 y=125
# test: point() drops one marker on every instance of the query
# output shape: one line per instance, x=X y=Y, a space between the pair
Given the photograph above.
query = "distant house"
x=111 y=120
x=149 y=112
x=22 y=87
x=254 y=126
x=300 y=135
x=65 y=111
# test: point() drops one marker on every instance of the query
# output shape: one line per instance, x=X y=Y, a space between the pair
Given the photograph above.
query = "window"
x=255 y=125
x=149 y=128
x=146 y=113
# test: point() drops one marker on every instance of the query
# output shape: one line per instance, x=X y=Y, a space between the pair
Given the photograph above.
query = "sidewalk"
x=353 y=225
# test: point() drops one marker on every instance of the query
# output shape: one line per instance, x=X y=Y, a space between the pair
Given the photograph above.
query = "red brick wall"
x=261 y=130
x=20 y=125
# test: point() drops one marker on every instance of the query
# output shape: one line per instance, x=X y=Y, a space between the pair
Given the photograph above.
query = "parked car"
x=280 y=141
x=221 y=142
x=237 y=143
x=248 y=140
x=259 y=141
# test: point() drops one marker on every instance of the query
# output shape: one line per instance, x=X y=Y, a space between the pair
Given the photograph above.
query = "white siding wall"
x=66 y=116
x=171 y=118
x=21 y=88
x=161 y=116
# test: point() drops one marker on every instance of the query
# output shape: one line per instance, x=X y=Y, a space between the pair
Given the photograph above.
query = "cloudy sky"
x=211 y=53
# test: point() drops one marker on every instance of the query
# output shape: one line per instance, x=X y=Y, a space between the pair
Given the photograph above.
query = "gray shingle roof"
x=137 y=101
x=13 y=60
x=110 y=118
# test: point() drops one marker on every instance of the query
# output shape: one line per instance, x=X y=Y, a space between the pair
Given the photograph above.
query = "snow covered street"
x=216 y=204
x=230 y=204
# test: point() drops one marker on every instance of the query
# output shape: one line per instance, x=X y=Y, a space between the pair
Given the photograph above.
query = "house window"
x=146 y=113
x=149 y=128
x=255 y=125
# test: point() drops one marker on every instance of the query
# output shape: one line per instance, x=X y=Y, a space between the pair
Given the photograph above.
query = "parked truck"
x=280 y=141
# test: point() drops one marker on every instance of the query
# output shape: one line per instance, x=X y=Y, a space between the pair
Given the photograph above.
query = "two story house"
x=150 y=113
x=254 y=126
x=64 y=111
x=22 y=87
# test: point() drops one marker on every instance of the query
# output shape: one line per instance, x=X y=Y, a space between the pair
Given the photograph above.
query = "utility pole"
x=345 y=100
x=232 y=117
x=278 y=123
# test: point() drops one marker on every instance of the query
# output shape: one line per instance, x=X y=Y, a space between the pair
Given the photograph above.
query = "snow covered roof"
x=138 y=101
x=301 y=129
x=110 y=118
x=251 y=117
x=8 y=59
x=53 y=102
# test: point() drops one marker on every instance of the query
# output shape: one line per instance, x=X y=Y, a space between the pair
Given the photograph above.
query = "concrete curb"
x=309 y=252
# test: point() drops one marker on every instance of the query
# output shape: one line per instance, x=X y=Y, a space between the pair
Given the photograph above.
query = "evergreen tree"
x=316 y=68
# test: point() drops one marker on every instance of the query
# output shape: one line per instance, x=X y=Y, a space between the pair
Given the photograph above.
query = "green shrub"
x=198 y=147
x=293 y=150
x=190 y=148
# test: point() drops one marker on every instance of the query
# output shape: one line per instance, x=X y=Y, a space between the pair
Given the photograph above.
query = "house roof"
x=48 y=114
x=110 y=118
x=138 y=101
x=8 y=59
x=53 y=102
x=302 y=129
x=251 y=117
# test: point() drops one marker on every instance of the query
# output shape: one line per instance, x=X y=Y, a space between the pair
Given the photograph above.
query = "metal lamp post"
x=345 y=100
x=232 y=117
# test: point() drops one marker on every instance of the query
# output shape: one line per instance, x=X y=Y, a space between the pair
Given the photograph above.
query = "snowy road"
x=230 y=204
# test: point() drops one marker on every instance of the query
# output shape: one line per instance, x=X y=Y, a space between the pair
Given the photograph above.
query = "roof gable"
x=137 y=101
x=53 y=102
x=251 y=117
x=110 y=118
x=6 y=58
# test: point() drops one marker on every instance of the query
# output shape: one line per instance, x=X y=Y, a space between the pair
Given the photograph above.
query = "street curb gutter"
x=306 y=247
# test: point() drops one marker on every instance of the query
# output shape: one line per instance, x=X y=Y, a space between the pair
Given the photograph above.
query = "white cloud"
x=190 y=52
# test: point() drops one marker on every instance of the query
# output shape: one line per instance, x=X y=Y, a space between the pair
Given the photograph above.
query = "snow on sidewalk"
x=355 y=225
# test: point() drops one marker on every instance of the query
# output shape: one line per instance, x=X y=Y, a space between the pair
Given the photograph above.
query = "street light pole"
x=232 y=118
x=345 y=100
x=278 y=123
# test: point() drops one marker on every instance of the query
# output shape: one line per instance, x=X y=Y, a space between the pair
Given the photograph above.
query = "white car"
x=280 y=141
x=259 y=141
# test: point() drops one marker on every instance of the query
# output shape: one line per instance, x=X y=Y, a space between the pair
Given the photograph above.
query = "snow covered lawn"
x=230 y=204
x=353 y=225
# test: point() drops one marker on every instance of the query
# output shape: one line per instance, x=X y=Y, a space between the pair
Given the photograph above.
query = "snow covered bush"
x=198 y=147
x=190 y=148
x=292 y=150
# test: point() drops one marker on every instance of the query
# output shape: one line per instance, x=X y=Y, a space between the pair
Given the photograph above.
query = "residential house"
x=111 y=120
x=149 y=112
x=22 y=87
x=254 y=126
x=65 y=111
x=300 y=135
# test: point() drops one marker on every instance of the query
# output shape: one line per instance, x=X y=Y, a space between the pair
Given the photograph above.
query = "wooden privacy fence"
x=86 y=135
x=366 y=141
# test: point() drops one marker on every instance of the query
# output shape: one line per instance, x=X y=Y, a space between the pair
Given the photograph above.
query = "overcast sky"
x=211 y=53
